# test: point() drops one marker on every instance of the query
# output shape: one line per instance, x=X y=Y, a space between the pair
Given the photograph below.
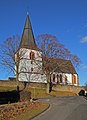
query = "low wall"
x=7 y=83
x=75 y=89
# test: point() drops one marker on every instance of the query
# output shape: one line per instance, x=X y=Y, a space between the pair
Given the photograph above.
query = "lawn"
x=7 y=88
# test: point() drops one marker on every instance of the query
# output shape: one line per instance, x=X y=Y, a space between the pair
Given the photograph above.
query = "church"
x=31 y=62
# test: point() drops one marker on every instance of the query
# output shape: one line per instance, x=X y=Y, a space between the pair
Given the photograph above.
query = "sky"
x=66 y=19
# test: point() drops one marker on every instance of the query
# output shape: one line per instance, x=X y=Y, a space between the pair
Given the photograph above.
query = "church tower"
x=30 y=65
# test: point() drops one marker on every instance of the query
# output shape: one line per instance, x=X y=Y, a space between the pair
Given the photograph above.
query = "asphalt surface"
x=64 y=108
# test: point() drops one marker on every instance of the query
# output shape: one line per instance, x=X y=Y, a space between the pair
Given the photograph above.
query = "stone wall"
x=75 y=89
x=71 y=88
x=7 y=83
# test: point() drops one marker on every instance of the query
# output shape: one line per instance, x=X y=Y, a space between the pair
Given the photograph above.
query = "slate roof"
x=65 y=66
x=59 y=65
x=27 y=40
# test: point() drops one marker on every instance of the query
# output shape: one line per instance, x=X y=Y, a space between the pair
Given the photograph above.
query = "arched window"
x=57 y=79
x=32 y=55
x=60 y=78
x=65 y=79
x=53 y=77
x=73 y=79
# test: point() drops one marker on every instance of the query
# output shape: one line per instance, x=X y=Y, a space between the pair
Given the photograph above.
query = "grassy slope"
x=6 y=88
x=33 y=112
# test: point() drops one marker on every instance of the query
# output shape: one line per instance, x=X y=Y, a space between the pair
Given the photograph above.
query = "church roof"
x=65 y=66
x=27 y=40
x=59 y=65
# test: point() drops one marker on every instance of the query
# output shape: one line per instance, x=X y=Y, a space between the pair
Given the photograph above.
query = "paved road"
x=65 y=108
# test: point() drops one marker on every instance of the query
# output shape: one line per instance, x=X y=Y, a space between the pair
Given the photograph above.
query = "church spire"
x=27 y=40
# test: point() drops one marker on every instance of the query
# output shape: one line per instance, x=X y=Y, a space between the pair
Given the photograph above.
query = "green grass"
x=7 y=88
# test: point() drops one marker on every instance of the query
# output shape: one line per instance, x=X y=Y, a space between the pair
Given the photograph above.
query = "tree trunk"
x=48 y=84
x=47 y=88
x=17 y=81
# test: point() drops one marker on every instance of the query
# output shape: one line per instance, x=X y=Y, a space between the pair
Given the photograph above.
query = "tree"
x=8 y=49
x=51 y=50
x=12 y=58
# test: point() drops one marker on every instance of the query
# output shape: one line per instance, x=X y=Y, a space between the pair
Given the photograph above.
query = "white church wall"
x=28 y=67
x=28 y=77
x=69 y=78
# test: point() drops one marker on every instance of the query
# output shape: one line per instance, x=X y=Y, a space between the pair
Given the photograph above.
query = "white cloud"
x=83 y=67
x=84 y=39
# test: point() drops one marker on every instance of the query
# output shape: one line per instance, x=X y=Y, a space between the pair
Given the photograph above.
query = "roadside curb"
x=40 y=112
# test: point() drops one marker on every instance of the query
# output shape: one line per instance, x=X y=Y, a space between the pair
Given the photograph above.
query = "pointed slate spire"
x=27 y=40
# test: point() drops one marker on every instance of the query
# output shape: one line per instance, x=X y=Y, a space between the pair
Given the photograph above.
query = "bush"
x=25 y=95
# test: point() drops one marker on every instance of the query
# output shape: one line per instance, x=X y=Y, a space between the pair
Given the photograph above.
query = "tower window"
x=31 y=69
x=32 y=55
x=31 y=62
x=18 y=56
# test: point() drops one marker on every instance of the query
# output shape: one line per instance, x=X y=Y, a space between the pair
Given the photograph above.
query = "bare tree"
x=51 y=50
x=10 y=56
x=13 y=59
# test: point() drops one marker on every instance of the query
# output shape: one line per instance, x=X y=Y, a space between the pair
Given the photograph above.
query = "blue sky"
x=66 y=19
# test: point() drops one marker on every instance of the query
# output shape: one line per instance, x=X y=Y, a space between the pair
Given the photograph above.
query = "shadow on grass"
x=9 y=97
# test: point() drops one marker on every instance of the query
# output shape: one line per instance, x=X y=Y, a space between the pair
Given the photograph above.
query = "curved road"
x=64 y=108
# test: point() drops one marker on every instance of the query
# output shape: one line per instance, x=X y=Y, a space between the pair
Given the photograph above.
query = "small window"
x=31 y=62
x=31 y=69
x=32 y=55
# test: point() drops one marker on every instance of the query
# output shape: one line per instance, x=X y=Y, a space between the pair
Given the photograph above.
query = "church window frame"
x=32 y=55
x=54 y=77
x=73 y=79
x=31 y=69
x=61 y=78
